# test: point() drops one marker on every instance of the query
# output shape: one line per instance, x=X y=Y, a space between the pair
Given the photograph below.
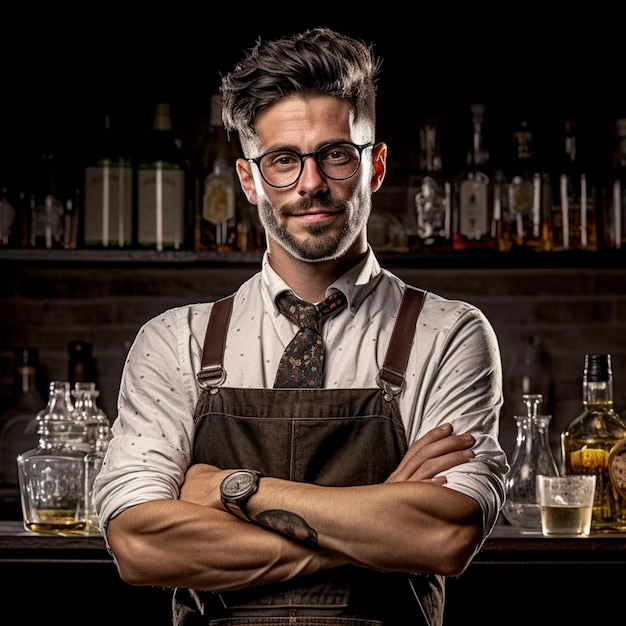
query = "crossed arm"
x=412 y=523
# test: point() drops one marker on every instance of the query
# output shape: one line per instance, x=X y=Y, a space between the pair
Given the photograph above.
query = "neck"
x=309 y=280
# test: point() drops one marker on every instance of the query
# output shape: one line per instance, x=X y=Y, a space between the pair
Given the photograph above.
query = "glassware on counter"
x=531 y=457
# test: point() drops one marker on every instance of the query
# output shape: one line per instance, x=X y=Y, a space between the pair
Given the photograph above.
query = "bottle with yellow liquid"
x=588 y=440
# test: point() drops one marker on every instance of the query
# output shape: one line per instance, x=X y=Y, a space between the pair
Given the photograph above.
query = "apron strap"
x=212 y=371
x=391 y=375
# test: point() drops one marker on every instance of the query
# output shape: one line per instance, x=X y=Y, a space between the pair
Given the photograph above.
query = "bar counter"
x=513 y=579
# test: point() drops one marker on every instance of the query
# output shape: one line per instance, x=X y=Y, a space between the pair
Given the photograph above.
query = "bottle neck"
x=430 y=150
x=598 y=394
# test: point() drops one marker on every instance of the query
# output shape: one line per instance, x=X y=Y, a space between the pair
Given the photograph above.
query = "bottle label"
x=161 y=207
x=219 y=200
x=46 y=223
x=473 y=207
x=108 y=206
x=432 y=206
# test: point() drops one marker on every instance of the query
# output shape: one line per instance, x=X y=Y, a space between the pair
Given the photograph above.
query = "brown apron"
x=322 y=436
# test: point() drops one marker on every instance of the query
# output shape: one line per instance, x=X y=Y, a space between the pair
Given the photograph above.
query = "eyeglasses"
x=337 y=161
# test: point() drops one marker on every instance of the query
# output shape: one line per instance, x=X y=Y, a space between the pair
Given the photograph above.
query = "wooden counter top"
x=505 y=545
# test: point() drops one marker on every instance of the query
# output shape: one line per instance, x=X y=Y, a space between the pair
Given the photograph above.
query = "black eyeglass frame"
x=315 y=155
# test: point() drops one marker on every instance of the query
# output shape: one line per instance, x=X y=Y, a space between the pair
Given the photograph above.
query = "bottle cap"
x=26 y=356
x=598 y=368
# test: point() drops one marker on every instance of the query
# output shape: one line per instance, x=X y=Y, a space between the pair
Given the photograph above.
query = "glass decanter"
x=52 y=475
x=531 y=457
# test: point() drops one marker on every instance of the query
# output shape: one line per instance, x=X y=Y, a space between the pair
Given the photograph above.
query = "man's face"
x=316 y=218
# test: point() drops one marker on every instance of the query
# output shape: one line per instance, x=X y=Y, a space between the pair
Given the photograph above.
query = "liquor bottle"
x=429 y=196
x=46 y=206
x=574 y=204
x=108 y=211
x=52 y=475
x=81 y=365
x=587 y=441
x=216 y=218
x=615 y=233
x=18 y=424
x=8 y=231
x=531 y=374
x=531 y=457
x=473 y=193
x=527 y=214
x=161 y=187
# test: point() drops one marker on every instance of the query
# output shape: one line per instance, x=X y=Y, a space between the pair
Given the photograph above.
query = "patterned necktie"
x=302 y=363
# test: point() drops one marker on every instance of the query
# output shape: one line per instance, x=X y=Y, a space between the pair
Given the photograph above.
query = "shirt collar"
x=356 y=284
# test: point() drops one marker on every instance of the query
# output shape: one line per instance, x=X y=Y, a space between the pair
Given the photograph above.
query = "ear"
x=379 y=165
x=244 y=171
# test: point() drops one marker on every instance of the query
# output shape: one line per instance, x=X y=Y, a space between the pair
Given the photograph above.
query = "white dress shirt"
x=453 y=375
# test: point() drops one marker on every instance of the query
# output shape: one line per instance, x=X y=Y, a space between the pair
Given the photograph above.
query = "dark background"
x=61 y=70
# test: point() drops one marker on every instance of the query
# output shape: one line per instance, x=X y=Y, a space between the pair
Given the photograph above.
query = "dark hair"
x=318 y=61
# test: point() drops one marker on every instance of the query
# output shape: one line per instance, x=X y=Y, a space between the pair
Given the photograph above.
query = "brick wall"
x=572 y=310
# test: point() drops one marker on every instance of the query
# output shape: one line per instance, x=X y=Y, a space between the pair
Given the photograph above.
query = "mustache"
x=306 y=204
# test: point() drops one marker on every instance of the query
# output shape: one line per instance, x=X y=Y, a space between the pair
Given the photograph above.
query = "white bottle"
x=161 y=187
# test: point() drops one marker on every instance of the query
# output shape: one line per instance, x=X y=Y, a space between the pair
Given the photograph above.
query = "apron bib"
x=327 y=437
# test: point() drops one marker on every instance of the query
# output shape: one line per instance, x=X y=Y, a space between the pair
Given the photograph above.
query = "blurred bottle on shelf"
x=9 y=234
x=615 y=192
x=526 y=211
x=473 y=208
x=47 y=208
x=575 y=200
x=161 y=186
x=216 y=218
x=429 y=219
x=108 y=211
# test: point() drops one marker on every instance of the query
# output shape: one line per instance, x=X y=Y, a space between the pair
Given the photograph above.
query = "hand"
x=202 y=485
x=436 y=451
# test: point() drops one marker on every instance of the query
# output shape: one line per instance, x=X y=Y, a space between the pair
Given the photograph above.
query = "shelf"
x=465 y=259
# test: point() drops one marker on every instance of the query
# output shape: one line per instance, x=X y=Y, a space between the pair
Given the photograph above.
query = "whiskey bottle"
x=574 y=205
x=161 y=190
x=527 y=213
x=587 y=441
x=216 y=219
x=429 y=198
x=473 y=193
x=108 y=210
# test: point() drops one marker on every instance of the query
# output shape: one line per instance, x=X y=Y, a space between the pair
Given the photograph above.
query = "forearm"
x=175 y=543
x=427 y=528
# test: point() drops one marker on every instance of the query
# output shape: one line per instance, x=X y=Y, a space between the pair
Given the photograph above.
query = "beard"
x=321 y=242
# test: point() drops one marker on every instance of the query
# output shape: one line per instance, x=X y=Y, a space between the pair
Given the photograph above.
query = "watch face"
x=238 y=484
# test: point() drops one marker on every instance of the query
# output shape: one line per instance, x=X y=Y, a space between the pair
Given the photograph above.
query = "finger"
x=423 y=462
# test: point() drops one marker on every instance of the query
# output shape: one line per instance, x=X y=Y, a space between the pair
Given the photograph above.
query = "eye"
x=338 y=154
x=281 y=160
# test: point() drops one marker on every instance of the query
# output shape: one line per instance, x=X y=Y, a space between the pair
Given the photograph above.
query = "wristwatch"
x=237 y=488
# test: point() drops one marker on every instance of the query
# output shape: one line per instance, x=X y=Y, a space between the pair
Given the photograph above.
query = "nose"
x=311 y=180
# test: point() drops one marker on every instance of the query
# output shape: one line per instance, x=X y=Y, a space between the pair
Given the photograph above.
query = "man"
x=375 y=482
